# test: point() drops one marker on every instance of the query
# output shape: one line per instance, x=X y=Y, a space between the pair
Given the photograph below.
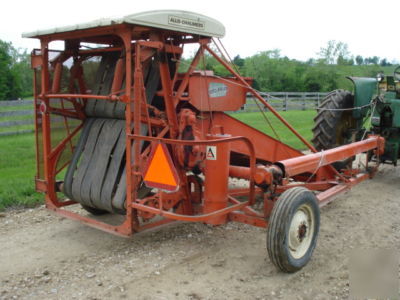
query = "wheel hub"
x=301 y=231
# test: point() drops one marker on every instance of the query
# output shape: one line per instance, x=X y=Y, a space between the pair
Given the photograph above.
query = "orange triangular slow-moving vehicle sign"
x=160 y=172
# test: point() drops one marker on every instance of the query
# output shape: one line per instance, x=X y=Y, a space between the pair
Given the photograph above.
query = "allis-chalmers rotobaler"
x=120 y=130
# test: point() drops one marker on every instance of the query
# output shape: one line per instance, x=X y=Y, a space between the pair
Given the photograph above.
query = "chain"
x=345 y=109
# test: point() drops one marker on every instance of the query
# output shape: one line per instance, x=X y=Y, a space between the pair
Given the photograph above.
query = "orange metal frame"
x=265 y=162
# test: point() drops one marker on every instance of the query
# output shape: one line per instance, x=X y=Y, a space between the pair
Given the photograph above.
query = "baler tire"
x=94 y=211
x=281 y=233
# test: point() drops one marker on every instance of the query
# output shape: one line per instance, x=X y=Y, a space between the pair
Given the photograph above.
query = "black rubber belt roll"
x=83 y=168
x=75 y=157
x=103 y=83
x=96 y=176
x=98 y=166
x=113 y=177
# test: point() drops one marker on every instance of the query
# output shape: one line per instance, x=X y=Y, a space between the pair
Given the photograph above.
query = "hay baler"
x=120 y=130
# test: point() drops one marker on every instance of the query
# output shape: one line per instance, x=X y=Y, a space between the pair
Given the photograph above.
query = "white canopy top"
x=175 y=20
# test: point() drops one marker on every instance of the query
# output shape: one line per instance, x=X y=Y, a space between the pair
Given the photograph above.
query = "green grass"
x=16 y=128
x=13 y=108
x=17 y=171
x=18 y=162
x=302 y=121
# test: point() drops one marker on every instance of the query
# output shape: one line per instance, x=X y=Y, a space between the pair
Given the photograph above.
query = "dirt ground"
x=43 y=256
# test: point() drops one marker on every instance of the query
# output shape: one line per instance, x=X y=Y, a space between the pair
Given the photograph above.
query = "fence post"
x=286 y=102
x=304 y=101
x=318 y=99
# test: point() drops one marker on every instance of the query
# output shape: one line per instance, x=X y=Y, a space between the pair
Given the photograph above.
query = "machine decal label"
x=174 y=20
x=216 y=89
x=211 y=153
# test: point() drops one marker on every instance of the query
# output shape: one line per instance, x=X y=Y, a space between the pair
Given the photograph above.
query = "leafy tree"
x=345 y=61
x=275 y=73
x=237 y=60
x=311 y=62
x=7 y=80
x=375 y=60
x=23 y=72
x=384 y=62
x=90 y=68
x=359 y=60
x=371 y=60
x=15 y=72
x=321 y=78
x=333 y=51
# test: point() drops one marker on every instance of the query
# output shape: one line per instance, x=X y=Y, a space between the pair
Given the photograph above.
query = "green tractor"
x=374 y=108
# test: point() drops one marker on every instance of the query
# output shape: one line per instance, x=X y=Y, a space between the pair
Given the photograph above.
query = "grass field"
x=17 y=171
x=302 y=121
x=17 y=155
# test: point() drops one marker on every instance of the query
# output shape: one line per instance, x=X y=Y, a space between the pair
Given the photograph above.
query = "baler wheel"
x=293 y=229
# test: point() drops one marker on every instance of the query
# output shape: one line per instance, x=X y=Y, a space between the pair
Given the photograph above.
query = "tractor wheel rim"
x=301 y=231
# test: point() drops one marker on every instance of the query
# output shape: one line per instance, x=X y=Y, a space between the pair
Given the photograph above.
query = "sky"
x=298 y=28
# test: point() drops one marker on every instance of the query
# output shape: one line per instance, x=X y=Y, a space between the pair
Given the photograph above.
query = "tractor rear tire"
x=293 y=229
x=332 y=124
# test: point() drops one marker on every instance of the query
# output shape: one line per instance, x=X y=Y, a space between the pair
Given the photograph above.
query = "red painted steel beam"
x=237 y=192
x=239 y=172
x=327 y=196
x=197 y=218
x=122 y=230
x=312 y=162
x=57 y=78
x=185 y=80
x=246 y=219
x=118 y=76
x=216 y=182
x=84 y=96
x=167 y=89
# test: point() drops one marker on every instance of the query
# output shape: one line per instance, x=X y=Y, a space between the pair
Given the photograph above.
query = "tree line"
x=271 y=71
x=16 y=74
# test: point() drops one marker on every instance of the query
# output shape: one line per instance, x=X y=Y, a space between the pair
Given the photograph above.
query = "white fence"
x=284 y=101
x=16 y=116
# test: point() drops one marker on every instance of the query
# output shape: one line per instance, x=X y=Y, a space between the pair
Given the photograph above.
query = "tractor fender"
x=365 y=89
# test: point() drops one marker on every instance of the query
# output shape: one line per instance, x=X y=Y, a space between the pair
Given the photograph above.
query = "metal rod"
x=84 y=96
x=198 y=218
